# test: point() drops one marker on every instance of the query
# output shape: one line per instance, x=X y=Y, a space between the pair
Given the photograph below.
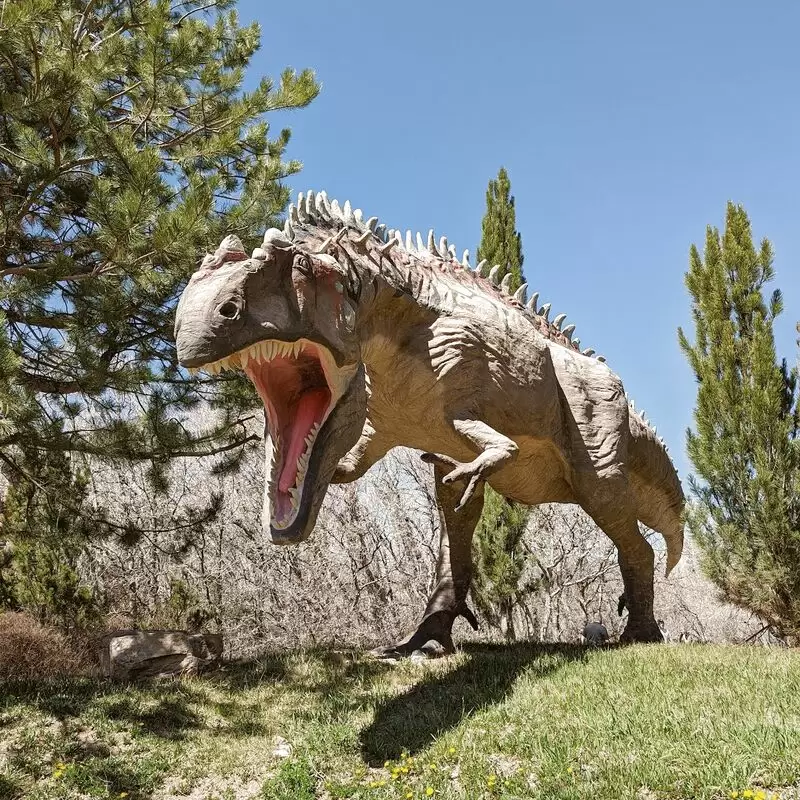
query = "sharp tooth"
x=244 y=356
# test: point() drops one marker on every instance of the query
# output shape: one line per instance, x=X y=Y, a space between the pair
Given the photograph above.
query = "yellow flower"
x=734 y=795
x=747 y=793
x=409 y=795
x=761 y=795
x=569 y=769
x=451 y=751
x=123 y=794
x=387 y=764
x=429 y=791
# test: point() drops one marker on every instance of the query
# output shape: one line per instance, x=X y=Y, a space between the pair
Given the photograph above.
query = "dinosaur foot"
x=432 y=639
x=642 y=632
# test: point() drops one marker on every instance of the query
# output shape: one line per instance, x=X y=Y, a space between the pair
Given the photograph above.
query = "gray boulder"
x=595 y=633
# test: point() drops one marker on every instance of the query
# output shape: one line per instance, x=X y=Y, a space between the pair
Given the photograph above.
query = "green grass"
x=493 y=722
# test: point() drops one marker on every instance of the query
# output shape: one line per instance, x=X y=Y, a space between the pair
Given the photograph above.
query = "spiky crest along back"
x=315 y=209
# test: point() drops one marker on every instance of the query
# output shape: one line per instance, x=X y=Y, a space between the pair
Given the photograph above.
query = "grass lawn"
x=521 y=721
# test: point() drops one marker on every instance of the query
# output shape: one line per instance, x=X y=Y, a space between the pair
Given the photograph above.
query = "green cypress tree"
x=500 y=242
x=746 y=515
x=499 y=550
x=127 y=149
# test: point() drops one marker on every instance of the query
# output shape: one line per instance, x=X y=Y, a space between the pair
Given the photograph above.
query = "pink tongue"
x=310 y=409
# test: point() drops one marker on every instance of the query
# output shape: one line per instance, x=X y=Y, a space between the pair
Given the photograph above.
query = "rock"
x=282 y=748
x=129 y=655
x=431 y=649
x=595 y=633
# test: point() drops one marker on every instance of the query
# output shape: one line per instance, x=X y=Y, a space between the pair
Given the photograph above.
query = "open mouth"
x=299 y=384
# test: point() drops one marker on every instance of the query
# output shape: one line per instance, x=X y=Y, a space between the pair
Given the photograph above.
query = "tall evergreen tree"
x=746 y=517
x=127 y=150
x=500 y=557
x=500 y=241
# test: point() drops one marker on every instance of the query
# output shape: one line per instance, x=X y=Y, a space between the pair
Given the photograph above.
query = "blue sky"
x=625 y=128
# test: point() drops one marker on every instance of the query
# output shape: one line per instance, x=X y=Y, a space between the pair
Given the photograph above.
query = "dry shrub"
x=30 y=650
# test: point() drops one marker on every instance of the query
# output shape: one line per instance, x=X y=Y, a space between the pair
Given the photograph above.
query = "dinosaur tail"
x=659 y=496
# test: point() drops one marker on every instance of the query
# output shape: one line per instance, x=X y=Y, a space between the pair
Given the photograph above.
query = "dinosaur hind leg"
x=448 y=600
x=635 y=556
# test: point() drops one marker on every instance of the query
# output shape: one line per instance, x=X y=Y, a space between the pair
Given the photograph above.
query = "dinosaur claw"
x=472 y=472
x=469 y=491
x=437 y=458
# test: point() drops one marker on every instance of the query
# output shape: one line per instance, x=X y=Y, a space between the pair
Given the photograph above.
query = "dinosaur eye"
x=303 y=263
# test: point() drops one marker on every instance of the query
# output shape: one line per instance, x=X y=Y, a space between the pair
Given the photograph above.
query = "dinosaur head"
x=285 y=318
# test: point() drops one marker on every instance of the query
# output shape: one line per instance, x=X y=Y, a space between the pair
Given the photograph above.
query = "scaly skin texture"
x=487 y=387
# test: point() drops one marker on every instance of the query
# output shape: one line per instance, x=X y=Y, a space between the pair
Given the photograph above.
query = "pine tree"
x=500 y=557
x=127 y=150
x=500 y=242
x=746 y=517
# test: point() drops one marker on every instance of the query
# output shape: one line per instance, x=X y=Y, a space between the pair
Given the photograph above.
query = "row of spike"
x=640 y=413
x=312 y=207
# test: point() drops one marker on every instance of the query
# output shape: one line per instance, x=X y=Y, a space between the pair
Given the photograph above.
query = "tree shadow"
x=409 y=722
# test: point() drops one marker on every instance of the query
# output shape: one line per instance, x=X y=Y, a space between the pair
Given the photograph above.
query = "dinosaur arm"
x=494 y=450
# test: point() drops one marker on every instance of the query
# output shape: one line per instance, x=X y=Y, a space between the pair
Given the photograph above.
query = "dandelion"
x=428 y=791
x=747 y=793
x=451 y=751
x=734 y=795
x=409 y=795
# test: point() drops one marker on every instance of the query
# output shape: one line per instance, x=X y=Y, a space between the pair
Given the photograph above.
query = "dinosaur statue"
x=358 y=341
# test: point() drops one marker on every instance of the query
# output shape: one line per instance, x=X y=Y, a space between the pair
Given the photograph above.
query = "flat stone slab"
x=130 y=654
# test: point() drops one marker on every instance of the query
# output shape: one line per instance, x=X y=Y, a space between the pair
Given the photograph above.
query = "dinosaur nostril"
x=229 y=309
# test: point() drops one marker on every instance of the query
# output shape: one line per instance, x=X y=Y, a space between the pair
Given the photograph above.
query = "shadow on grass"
x=164 y=708
x=440 y=702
